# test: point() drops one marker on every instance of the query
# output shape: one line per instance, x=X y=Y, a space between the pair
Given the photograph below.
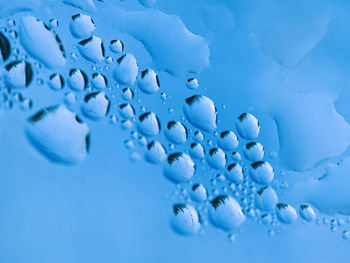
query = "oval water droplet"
x=179 y=167
x=226 y=213
x=185 y=219
x=198 y=136
x=77 y=80
x=254 y=151
x=197 y=151
x=126 y=111
x=155 y=153
x=201 y=112
x=261 y=172
x=56 y=81
x=234 y=173
x=176 y=132
x=247 y=126
x=127 y=94
x=82 y=26
x=96 y=105
x=266 y=198
x=149 y=82
x=228 y=140
x=92 y=49
x=116 y=46
x=236 y=156
x=307 y=213
x=99 y=81
x=59 y=134
x=126 y=70
x=286 y=213
x=199 y=193
x=217 y=158
x=18 y=74
x=148 y=124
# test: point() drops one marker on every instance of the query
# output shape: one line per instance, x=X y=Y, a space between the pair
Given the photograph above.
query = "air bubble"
x=116 y=46
x=96 y=105
x=247 y=126
x=254 y=151
x=185 y=219
x=234 y=173
x=59 y=134
x=92 y=49
x=77 y=80
x=226 y=213
x=149 y=82
x=228 y=140
x=201 y=112
x=18 y=74
x=179 y=167
x=176 y=132
x=126 y=70
x=266 y=198
x=155 y=153
x=82 y=26
x=286 y=213
x=261 y=172
x=148 y=124
x=217 y=158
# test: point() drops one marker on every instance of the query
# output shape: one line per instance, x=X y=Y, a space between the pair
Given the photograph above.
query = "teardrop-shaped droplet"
x=116 y=46
x=261 y=172
x=56 y=81
x=96 y=105
x=234 y=173
x=92 y=49
x=176 y=132
x=254 y=151
x=82 y=26
x=199 y=193
x=126 y=70
x=286 y=213
x=185 y=219
x=155 y=153
x=179 y=168
x=228 y=140
x=217 y=158
x=99 y=81
x=307 y=213
x=247 y=126
x=266 y=198
x=149 y=82
x=148 y=124
x=77 y=80
x=197 y=151
x=126 y=111
x=18 y=74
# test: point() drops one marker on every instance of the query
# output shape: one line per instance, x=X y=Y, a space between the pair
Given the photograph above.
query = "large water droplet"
x=77 y=79
x=266 y=198
x=96 y=105
x=149 y=82
x=176 y=132
x=200 y=111
x=228 y=141
x=307 y=213
x=126 y=70
x=59 y=134
x=217 y=158
x=234 y=173
x=99 y=81
x=199 y=193
x=116 y=46
x=82 y=26
x=56 y=82
x=155 y=153
x=226 y=213
x=197 y=151
x=126 y=111
x=185 y=219
x=253 y=151
x=261 y=172
x=247 y=126
x=148 y=124
x=179 y=168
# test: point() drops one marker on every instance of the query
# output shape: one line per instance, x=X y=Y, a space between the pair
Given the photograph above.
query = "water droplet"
x=126 y=124
x=176 y=132
x=192 y=83
x=286 y=213
x=346 y=235
x=198 y=136
x=179 y=168
x=199 y=193
x=99 y=81
x=155 y=153
x=228 y=140
x=266 y=219
x=234 y=173
x=59 y=134
x=201 y=112
x=96 y=105
x=77 y=80
x=226 y=213
x=217 y=158
x=82 y=26
x=266 y=198
x=18 y=74
x=126 y=70
x=253 y=151
x=53 y=23
x=92 y=49
x=236 y=156
x=126 y=111
x=261 y=172
x=127 y=94
x=70 y=99
x=149 y=82
x=26 y=104
x=185 y=219
x=5 y=47
x=307 y=213
x=148 y=124
x=247 y=126
x=116 y=46
x=197 y=151
x=56 y=82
